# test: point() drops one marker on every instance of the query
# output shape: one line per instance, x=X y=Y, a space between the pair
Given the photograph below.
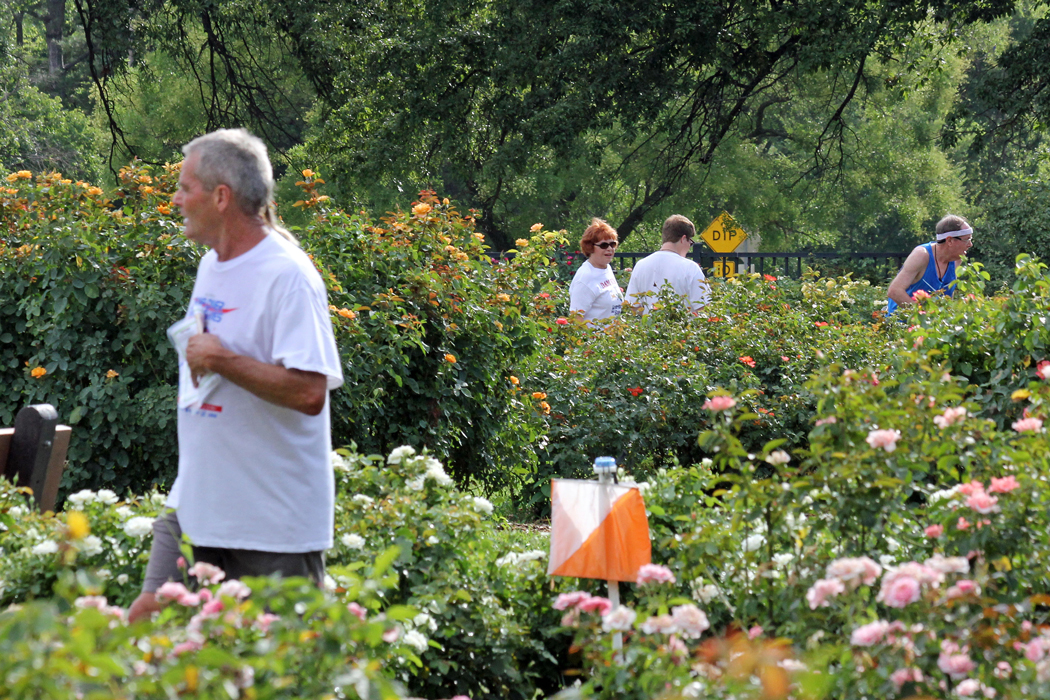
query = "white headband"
x=954 y=234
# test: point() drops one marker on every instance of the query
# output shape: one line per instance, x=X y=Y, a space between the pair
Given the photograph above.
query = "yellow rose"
x=536 y=227
x=308 y=173
x=94 y=191
x=421 y=209
x=521 y=242
x=77 y=524
x=503 y=297
x=112 y=374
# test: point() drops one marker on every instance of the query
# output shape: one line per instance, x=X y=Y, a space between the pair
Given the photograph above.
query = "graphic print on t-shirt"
x=213 y=309
x=614 y=292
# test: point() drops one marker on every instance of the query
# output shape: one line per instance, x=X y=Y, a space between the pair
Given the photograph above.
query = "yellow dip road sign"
x=723 y=234
x=725 y=268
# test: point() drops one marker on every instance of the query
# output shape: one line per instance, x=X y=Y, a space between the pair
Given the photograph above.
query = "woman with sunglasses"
x=594 y=292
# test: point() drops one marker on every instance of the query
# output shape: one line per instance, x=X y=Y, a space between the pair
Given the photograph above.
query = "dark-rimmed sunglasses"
x=605 y=245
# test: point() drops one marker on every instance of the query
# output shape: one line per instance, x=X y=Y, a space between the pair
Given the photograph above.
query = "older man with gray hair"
x=255 y=489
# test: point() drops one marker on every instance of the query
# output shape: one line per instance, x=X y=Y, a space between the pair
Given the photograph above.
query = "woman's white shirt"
x=595 y=293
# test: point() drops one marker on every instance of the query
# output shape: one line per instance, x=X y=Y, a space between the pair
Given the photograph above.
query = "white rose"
x=707 y=593
x=363 y=499
x=621 y=619
x=90 y=546
x=108 y=497
x=104 y=574
x=400 y=453
x=482 y=505
x=45 y=547
x=436 y=472
x=416 y=640
x=159 y=499
x=754 y=542
x=138 y=527
x=415 y=484
x=122 y=579
x=81 y=497
x=353 y=541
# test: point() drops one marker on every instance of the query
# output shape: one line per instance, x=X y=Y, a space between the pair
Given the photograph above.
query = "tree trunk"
x=54 y=25
x=19 y=36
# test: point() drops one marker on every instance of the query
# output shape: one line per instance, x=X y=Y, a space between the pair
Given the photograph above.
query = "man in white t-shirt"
x=669 y=265
x=255 y=491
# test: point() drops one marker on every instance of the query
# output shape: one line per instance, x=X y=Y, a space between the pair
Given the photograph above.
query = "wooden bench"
x=33 y=453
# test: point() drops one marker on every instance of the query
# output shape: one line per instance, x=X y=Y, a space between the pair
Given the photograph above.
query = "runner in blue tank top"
x=931 y=266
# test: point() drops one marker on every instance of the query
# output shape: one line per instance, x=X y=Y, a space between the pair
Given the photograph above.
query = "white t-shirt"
x=595 y=293
x=254 y=475
x=667 y=267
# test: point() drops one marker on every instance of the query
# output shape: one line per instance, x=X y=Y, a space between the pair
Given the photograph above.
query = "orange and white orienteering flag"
x=597 y=530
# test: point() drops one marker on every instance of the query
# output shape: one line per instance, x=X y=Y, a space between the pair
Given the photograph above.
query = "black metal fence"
x=876 y=267
x=785 y=264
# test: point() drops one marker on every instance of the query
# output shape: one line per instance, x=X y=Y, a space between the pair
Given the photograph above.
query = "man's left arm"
x=297 y=389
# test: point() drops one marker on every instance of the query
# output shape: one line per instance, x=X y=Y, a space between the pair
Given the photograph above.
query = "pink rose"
x=963 y=524
x=1043 y=369
x=869 y=634
x=905 y=675
x=357 y=610
x=1028 y=425
x=1035 y=650
x=719 y=403
x=950 y=417
x=98 y=602
x=206 y=573
x=854 y=571
x=1002 y=670
x=983 y=503
x=755 y=631
x=663 y=624
x=886 y=439
x=1003 y=485
x=654 y=573
x=690 y=620
x=818 y=594
x=188 y=645
x=963 y=588
x=234 y=588
x=948 y=565
x=934 y=531
x=570 y=600
x=172 y=590
x=970 y=488
x=900 y=592
x=920 y=295
x=956 y=665
x=264 y=621
x=967 y=687
x=595 y=604
x=830 y=420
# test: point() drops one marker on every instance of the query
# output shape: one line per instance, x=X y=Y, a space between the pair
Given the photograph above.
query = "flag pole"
x=605 y=468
